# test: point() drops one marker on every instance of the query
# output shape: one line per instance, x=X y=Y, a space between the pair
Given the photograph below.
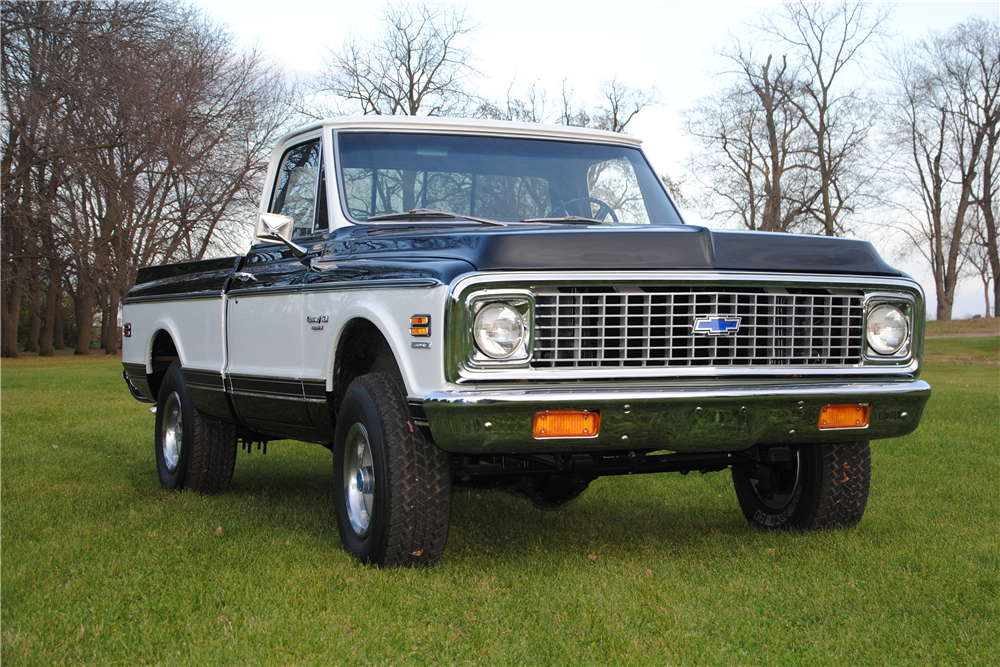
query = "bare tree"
x=531 y=107
x=133 y=134
x=988 y=56
x=675 y=186
x=419 y=65
x=826 y=39
x=786 y=142
x=755 y=168
x=976 y=256
x=48 y=60
x=948 y=97
x=618 y=105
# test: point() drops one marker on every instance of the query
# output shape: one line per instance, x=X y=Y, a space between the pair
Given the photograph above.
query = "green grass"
x=980 y=350
x=101 y=566
x=975 y=325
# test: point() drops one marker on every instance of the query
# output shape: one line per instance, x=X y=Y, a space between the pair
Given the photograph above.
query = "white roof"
x=465 y=126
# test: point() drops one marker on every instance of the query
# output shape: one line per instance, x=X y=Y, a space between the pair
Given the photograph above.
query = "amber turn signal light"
x=844 y=416
x=567 y=424
x=420 y=325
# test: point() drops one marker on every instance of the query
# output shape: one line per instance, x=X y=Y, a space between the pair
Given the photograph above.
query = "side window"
x=295 y=194
x=615 y=182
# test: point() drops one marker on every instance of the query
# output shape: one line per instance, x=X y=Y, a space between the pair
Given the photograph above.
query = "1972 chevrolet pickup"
x=449 y=302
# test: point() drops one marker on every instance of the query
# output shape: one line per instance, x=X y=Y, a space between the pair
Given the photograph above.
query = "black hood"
x=575 y=248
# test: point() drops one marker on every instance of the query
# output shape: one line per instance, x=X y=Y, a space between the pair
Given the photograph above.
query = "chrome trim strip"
x=337 y=287
x=309 y=390
x=387 y=283
x=192 y=296
x=281 y=397
x=692 y=417
x=265 y=291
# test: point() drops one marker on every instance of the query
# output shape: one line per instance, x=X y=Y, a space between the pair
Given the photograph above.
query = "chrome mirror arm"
x=275 y=227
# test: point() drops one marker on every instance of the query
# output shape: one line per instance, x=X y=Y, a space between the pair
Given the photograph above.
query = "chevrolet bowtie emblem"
x=716 y=326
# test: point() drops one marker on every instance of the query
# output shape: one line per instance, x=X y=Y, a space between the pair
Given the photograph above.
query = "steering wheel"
x=604 y=209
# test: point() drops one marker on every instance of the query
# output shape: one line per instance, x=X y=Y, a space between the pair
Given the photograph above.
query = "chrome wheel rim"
x=782 y=492
x=173 y=431
x=359 y=479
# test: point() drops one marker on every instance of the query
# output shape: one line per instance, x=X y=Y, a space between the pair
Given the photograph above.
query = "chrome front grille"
x=608 y=327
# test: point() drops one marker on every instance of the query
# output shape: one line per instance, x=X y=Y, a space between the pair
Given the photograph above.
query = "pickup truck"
x=445 y=302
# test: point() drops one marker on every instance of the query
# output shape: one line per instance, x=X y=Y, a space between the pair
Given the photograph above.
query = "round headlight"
x=887 y=329
x=498 y=330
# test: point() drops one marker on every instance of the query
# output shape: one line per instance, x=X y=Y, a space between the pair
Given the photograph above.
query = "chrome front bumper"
x=682 y=418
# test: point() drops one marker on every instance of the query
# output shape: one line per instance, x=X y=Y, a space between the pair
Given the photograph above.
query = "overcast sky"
x=667 y=45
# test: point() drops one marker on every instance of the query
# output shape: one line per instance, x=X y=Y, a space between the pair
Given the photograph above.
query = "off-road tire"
x=830 y=491
x=411 y=510
x=208 y=446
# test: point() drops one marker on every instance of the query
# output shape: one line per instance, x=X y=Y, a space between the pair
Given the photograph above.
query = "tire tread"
x=211 y=444
x=419 y=516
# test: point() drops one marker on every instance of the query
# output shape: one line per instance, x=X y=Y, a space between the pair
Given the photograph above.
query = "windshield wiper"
x=432 y=214
x=570 y=219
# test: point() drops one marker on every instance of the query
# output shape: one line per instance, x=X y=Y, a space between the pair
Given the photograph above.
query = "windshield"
x=501 y=179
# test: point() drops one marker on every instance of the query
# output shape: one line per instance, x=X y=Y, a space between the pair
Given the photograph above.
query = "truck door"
x=265 y=319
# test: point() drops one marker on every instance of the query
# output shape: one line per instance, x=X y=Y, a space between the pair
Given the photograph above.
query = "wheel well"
x=163 y=354
x=362 y=349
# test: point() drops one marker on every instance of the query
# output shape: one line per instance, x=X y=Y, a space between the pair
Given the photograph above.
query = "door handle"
x=243 y=276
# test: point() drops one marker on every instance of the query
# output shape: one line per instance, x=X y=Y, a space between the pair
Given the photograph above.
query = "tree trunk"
x=59 y=341
x=945 y=301
x=84 y=303
x=110 y=330
x=103 y=307
x=10 y=315
x=986 y=205
x=52 y=308
x=10 y=320
x=986 y=291
x=35 y=303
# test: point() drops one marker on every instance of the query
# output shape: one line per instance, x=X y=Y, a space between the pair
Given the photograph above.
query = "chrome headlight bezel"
x=523 y=304
x=902 y=303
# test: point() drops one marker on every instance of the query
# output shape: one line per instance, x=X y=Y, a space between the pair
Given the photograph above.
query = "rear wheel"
x=192 y=451
x=822 y=486
x=392 y=487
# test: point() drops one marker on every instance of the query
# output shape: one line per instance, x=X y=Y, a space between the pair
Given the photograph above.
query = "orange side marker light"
x=567 y=424
x=844 y=416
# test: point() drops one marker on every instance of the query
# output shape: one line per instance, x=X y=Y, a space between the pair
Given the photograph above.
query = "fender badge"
x=716 y=326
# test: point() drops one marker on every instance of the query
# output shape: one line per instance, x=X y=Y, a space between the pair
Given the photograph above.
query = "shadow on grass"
x=660 y=513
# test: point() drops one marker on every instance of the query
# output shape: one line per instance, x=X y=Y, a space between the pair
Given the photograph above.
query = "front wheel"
x=392 y=487
x=821 y=486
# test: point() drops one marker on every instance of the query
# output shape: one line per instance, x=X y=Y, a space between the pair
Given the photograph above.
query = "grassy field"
x=100 y=566
x=977 y=325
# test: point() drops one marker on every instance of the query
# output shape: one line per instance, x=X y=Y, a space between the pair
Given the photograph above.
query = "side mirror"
x=278 y=228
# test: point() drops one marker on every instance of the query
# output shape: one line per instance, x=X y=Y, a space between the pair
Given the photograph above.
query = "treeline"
x=133 y=133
